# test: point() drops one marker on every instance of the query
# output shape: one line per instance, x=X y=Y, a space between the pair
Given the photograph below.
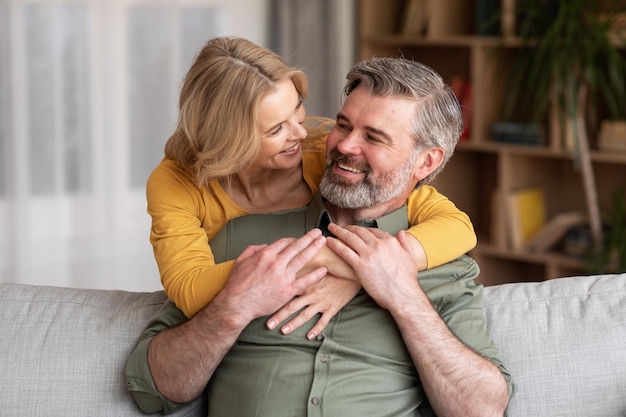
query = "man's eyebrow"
x=341 y=117
x=378 y=132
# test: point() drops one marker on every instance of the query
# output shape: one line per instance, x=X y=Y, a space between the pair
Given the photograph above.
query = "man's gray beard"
x=369 y=192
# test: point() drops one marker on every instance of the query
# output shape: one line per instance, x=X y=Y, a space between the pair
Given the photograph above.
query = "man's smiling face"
x=371 y=153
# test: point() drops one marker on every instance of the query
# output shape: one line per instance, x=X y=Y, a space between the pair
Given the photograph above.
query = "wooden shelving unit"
x=480 y=167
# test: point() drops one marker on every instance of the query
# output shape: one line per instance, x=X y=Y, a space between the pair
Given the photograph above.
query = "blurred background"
x=88 y=97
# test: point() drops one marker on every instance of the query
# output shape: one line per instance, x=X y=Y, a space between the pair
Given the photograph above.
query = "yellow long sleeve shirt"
x=186 y=217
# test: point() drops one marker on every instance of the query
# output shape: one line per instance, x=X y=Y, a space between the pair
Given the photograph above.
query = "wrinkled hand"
x=386 y=265
x=328 y=296
x=264 y=277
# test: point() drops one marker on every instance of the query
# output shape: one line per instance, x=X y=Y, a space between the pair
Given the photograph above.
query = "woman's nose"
x=300 y=131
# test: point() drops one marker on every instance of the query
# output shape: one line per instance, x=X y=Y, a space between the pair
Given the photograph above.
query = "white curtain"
x=88 y=94
x=319 y=37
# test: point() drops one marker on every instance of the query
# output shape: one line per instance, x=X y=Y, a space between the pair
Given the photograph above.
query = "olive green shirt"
x=359 y=366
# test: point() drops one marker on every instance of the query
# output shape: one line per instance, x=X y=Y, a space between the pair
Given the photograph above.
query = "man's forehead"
x=383 y=115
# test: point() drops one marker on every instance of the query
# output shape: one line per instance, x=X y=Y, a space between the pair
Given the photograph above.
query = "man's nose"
x=350 y=144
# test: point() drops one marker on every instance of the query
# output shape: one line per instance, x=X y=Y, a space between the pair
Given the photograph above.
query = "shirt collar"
x=318 y=216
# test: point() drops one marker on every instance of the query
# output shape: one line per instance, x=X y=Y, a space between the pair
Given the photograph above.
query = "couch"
x=63 y=351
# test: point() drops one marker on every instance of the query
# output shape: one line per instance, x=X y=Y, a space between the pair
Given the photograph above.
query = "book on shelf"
x=508 y=20
x=437 y=18
x=414 y=17
x=498 y=226
x=463 y=90
x=526 y=213
x=450 y=18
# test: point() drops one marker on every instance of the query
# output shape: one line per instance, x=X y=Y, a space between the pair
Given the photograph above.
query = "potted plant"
x=570 y=65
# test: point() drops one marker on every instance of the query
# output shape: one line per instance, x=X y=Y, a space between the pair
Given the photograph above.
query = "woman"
x=243 y=145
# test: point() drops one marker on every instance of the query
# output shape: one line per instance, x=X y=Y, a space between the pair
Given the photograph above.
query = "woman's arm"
x=189 y=274
x=442 y=232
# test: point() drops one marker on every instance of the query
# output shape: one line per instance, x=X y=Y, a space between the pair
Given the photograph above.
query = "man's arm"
x=182 y=359
x=457 y=380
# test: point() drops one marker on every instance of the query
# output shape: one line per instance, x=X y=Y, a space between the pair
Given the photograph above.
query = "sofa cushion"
x=63 y=351
x=564 y=342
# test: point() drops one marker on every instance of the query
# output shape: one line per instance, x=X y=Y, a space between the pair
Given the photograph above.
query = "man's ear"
x=427 y=162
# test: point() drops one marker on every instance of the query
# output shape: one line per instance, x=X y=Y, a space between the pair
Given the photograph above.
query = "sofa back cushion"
x=63 y=351
x=564 y=342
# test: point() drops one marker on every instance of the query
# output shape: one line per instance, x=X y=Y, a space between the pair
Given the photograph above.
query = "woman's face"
x=281 y=114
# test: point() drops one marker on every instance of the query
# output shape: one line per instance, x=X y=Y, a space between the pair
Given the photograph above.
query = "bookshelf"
x=480 y=167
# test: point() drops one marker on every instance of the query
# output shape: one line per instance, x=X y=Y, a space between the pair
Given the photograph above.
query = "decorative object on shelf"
x=518 y=133
x=526 y=210
x=612 y=136
x=555 y=230
x=570 y=61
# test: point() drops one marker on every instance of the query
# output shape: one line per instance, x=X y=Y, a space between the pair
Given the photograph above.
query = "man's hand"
x=386 y=266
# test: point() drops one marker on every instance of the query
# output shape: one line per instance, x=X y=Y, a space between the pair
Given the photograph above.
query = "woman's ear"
x=427 y=162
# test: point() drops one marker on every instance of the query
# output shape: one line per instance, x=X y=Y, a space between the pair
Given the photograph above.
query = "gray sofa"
x=63 y=351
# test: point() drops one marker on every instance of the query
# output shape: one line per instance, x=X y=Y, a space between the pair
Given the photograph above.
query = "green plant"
x=571 y=64
x=612 y=256
x=569 y=51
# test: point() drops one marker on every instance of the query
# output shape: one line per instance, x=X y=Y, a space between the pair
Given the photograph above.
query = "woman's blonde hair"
x=217 y=132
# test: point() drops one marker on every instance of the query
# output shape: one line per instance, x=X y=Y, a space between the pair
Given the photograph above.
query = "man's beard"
x=369 y=192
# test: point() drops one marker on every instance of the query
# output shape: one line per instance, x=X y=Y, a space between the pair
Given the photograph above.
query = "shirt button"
x=315 y=401
x=323 y=358
x=321 y=336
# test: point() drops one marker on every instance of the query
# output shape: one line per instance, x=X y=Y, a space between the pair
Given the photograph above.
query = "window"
x=88 y=97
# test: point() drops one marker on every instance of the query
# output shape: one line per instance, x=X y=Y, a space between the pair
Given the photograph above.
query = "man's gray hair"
x=438 y=120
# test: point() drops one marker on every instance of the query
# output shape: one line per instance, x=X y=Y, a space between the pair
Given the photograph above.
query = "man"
x=396 y=129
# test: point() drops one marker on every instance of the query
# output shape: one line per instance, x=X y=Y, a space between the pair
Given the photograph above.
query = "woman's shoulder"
x=170 y=169
x=170 y=178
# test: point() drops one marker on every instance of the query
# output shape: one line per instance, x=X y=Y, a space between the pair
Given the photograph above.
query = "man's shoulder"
x=459 y=272
x=461 y=268
x=449 y=284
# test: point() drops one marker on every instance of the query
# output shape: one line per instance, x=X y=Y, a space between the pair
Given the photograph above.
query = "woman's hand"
x=327 y=297
x=336 y=266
